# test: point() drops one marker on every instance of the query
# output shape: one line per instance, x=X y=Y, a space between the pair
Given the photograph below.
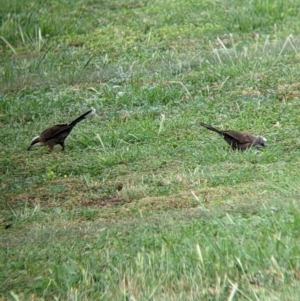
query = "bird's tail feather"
x=209 y=127
x=91 y=112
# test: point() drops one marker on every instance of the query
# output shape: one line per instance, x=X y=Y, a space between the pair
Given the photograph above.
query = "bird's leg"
x=51 y=144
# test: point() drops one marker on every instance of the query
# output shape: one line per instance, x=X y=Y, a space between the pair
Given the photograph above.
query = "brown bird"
x=57 y=134
x=238 y=140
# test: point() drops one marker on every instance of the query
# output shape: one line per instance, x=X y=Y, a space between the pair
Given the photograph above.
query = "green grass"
x=144 y=204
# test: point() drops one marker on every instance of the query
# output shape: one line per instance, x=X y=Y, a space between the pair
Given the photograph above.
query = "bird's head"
x=35 y=142
x=260 y=141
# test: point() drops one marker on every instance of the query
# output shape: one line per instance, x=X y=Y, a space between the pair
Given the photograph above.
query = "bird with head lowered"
x=238 y=140
x=58 y=133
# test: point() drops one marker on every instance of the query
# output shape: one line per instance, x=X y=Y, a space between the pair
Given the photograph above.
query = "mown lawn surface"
x=144 y=203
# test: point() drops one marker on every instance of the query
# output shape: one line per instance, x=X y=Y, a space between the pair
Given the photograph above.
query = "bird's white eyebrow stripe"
x=35 y=138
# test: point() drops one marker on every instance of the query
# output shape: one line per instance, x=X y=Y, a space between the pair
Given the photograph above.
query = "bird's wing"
x=53 y=131
x=239 y=137
x=63 y=133
x=239 y=140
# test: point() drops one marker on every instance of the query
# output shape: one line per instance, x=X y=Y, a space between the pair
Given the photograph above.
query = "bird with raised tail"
x=238 y=140
x=58 y=133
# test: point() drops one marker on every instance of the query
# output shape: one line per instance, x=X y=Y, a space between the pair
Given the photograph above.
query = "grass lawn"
x=144 y=203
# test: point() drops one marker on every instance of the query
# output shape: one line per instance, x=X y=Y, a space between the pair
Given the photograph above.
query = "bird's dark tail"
x=91 y=112
x=209 y=127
